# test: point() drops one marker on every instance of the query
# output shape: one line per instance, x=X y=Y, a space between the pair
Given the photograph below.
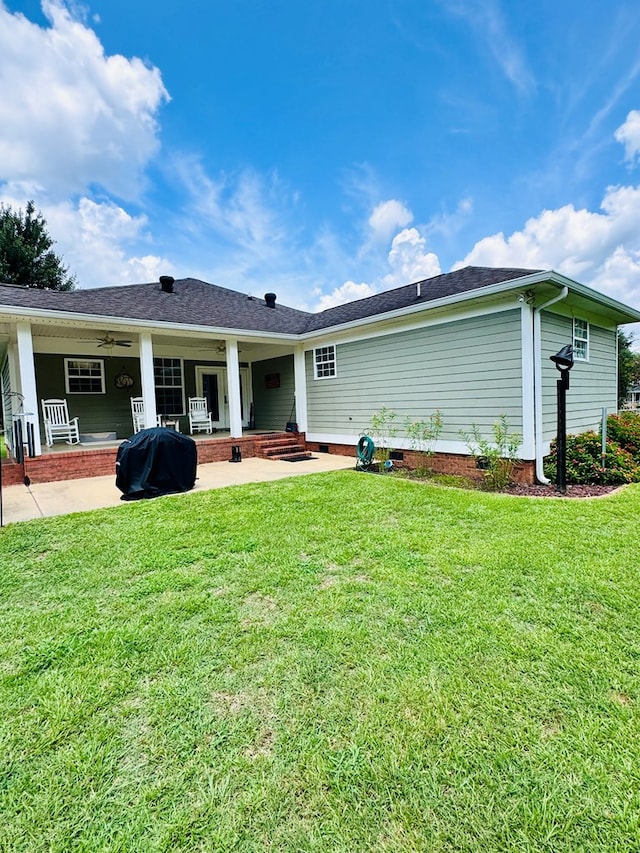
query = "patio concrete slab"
x=22 y=503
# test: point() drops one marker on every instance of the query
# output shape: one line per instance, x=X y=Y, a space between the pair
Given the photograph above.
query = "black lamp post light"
x=563 y=361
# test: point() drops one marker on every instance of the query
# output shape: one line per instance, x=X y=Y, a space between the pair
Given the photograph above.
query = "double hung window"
x=580 y=340
x=169 y=385
x=84 y=376
x=324 y=362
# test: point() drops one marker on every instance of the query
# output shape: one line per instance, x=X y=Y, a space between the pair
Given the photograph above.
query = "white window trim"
x=580 y=338
x=99 y=361
x=335 y=361
x=156 y=386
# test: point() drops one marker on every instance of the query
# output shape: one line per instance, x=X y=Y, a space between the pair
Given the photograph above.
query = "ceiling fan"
x=219 y=348
x=108 y=341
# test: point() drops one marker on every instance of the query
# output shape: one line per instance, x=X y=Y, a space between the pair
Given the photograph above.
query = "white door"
x=211 y=383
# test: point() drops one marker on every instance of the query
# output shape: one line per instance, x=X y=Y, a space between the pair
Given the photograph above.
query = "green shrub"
x=498 y=457
x=584 y=461
x=383 y=429
x=624 y=428
x=423 y=435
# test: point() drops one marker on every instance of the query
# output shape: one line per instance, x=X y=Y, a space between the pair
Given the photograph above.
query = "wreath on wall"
x=124 y=379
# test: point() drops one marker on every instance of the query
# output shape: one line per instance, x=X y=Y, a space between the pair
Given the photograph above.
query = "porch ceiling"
x=84 y=340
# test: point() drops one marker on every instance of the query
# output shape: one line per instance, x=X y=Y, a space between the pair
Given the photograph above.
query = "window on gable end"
x=580 y=340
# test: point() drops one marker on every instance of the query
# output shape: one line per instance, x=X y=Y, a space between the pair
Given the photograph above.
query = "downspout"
x=537 y=382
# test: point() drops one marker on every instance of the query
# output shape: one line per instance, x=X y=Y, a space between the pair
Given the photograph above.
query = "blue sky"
x=326 y=150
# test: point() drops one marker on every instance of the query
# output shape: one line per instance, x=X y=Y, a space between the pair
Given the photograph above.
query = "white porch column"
x=27 y=380
x=300 y=387
x=148 y=383
x=233 y=380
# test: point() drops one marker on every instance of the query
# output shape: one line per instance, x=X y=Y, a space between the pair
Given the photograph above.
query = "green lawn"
x=339 y=662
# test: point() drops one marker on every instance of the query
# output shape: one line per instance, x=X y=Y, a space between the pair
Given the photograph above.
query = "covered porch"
x=252 y=382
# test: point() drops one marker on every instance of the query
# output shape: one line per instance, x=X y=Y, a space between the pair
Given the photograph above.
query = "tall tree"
x=628 y=366
x=26 y=254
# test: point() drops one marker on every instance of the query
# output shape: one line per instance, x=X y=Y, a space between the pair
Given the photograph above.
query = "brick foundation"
x=440 y=463
x=74 y=464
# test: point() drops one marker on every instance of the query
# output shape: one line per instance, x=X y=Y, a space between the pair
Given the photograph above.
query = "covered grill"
x=155 y=462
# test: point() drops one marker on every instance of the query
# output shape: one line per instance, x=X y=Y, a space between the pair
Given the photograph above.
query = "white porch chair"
x=137 y=414
x=57 y=423
x=199 y=417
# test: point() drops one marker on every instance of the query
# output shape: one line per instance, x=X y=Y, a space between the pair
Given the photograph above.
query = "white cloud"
x=448 y=224
x=98 y=241
x=599 y=249
x=408 y=259
x=244 y=210
x=348 y=292
x=72 y=117
x=629 y=135
x=387 y=217
x=487 y=21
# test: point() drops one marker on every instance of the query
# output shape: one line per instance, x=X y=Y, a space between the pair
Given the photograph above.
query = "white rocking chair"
x=57 y=424
x=199 y=417
x=137 y=414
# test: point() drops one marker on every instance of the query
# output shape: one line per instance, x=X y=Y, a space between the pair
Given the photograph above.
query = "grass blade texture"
x=339 y=662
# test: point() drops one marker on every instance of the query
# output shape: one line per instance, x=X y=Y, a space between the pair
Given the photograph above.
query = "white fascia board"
x=107 y=321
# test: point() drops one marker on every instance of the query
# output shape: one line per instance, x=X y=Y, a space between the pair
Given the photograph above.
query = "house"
x=632 y=403
x=473 y=344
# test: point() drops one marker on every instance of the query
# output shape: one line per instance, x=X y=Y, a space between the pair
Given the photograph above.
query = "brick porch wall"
x=75 y=464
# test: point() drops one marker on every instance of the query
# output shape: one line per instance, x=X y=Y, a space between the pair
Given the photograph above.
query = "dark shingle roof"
x=195 y=302
x=446 y=284
x=192 y=302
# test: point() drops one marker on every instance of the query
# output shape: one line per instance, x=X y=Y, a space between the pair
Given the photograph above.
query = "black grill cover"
x=155 y=462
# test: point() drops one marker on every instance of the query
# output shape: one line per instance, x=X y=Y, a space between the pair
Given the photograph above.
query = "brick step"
x=290 y=457
x=281 y=446
x=269 y=445
x=278 y=450
x=281 y=442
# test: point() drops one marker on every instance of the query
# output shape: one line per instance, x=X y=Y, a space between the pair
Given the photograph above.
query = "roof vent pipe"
x=166 y=283
x=270 y=299
x=418 y=290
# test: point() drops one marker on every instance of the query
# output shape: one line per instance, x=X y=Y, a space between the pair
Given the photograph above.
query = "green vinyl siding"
x=471 y=370
x=272 y=406
x=108 y=412
x=592 y=382
x=111 y=411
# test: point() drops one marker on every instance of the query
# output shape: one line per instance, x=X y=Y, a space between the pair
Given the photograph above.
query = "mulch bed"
x=550 y=491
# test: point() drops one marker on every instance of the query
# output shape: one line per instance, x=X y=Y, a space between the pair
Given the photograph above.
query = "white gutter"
x=537 y=382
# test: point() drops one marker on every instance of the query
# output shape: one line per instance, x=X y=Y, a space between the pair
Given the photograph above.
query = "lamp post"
x=563 y=361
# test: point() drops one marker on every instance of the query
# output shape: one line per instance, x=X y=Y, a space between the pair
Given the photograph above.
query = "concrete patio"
x=22 y=503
